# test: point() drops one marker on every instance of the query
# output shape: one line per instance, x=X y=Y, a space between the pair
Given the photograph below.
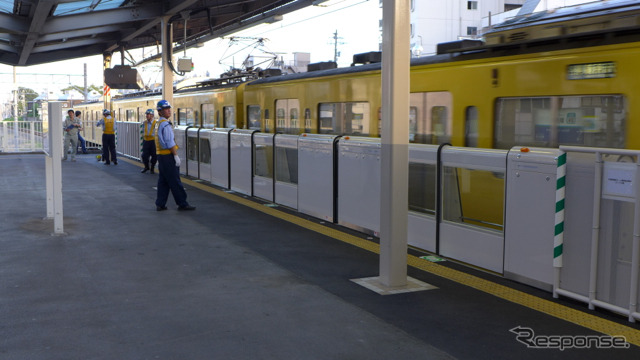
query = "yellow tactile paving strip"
x=533 y=302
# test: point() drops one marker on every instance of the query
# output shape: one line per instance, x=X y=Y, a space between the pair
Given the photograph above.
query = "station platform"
x=241 y=279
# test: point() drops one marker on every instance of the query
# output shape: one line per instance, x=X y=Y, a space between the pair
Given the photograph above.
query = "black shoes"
x=161 y=208
x=115 y=162
x=145 y=170
x=184 y=208
x=106 y=163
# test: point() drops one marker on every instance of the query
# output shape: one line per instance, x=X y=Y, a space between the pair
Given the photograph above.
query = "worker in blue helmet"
x=168 y=162
x=149 y=142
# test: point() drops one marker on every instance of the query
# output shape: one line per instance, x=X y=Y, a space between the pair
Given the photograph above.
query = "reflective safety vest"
x=109 y=125
x=159 y=150
x=149 y=132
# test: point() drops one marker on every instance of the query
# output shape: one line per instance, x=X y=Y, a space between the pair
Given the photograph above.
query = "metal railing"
x=21 y=136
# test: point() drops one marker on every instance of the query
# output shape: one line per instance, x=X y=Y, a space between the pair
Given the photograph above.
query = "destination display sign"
x=591 y=71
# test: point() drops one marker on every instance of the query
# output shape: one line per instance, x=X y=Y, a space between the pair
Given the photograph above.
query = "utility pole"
x=86 y=90
x=336 y=53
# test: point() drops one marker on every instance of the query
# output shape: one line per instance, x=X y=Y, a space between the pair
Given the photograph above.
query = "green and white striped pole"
x=558 y=239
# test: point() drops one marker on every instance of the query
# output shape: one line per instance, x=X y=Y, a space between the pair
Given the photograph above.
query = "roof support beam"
x=13 y=24
x=43 y=8
x=181 y=6
x=79 y=33
x=101 y=18
x=62 y=46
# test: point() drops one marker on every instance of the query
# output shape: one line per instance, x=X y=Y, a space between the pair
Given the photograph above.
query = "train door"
x=288 y=116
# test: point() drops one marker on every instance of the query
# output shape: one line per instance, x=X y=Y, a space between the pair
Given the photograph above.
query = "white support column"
x=394 y=201
x=395 y=138
x=54 y=169
x=167 y=53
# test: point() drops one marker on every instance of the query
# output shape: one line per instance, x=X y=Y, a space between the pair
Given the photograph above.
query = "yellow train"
x=564 y=79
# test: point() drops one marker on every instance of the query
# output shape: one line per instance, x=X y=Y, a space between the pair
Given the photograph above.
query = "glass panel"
x=413 y=123
x=344 y=118
x=471 y=127
x=185 y=117
x=230 y=116
x=208 y=116
x=281 y=122
x=192 y=148
x=327 y=122
x=307 y=120
x=422 y=188
x=263 y=155
x=439 y=124
x=356 y=119
x=294 y=121
x=205 y=151
x=267 y=121
x=473 y=197
x=287 y=165
x=596 y=120
x=432 y=115
x=253 y=115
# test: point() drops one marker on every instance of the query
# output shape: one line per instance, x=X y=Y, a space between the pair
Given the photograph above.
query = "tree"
x=80 y=89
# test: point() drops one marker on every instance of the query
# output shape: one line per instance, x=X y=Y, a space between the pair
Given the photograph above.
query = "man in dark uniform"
x=149 y=142
x=168 y=162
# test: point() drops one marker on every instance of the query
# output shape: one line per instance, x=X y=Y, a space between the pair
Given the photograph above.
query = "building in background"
x=438 y=21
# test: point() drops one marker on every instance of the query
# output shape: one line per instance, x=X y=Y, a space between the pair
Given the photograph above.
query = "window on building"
x=472 y=5
x=472 y=30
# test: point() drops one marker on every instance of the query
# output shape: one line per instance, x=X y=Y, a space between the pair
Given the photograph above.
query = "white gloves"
x=177 y=159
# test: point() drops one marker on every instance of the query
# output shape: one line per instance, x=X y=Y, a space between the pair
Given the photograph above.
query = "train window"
x=473 y=197
x=130 y=115
x=351 y=118
x=287 y=165
x=208 y=116
x=253 y=117
x=287 y=118
x=471 y=127
x=432 y=114
x=422 y=188
x=413 y=123
x=186 y=117
x=594 y=121
x=307 y=120
x=267 y=121
x=229 y=116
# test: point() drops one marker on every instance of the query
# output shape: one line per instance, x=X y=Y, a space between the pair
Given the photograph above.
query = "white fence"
x=21 y=136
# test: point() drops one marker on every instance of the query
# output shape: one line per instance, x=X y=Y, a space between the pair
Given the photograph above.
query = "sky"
x=308 y=30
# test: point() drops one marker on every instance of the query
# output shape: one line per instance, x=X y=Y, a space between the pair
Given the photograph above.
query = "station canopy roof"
x=41 y=31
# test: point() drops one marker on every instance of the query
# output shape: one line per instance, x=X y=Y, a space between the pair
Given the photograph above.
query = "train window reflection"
x=205 y=151
x=351 y=118
x=422 y=188
x=229 y=116
x=473 y=197
x=471 y=127
x=208 y=116
x=594 y=120
x=185 y=117
x=430 y=117
x=307 y=120
x=253 y=117
x=287 y=121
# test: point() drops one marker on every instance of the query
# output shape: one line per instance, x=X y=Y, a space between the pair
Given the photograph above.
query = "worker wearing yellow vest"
x=108 y=124
x=168 y=162
x=148 y=142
